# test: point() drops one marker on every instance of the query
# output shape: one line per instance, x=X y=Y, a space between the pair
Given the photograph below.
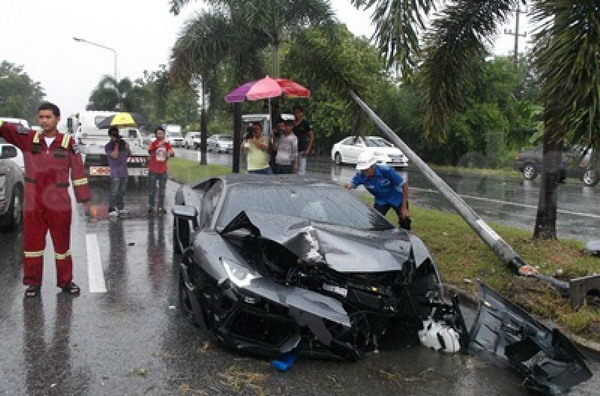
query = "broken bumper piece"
x=546 y=358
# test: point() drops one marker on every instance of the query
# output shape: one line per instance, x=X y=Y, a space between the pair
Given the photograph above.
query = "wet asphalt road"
x=505 y=200
x=132 y=338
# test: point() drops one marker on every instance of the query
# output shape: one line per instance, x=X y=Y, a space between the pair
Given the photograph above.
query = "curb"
x=467 y=298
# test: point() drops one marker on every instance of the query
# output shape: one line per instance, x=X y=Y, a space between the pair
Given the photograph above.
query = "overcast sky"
x=39 y=35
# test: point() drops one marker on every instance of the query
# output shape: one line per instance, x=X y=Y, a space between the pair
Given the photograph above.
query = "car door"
x=355 y=149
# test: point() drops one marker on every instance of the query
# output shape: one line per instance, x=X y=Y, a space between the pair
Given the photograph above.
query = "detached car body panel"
x=546 y=358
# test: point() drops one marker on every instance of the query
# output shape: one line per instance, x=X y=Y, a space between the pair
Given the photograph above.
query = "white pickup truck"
x=83 y=126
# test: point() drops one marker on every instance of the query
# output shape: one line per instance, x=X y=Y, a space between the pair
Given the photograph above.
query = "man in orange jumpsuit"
x=49 y=158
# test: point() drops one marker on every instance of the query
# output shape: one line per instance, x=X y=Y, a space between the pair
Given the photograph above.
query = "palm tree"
x=235 y=32
x=212 y=39
x=566 y=58
x=110 y=94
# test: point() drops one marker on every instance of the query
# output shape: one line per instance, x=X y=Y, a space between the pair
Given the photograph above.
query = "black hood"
x=341 y=248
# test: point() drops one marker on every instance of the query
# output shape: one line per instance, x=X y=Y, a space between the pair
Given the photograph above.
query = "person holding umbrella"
x=257 y=147
x=117 y=151
x=305 y=135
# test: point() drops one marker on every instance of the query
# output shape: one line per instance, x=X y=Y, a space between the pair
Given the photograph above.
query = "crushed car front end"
x=313 y=289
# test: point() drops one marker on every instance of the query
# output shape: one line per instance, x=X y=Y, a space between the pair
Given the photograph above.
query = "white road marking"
x=498 y=201
x=95 y=272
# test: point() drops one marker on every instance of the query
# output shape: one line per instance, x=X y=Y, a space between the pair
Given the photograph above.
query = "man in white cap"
x=388 y=187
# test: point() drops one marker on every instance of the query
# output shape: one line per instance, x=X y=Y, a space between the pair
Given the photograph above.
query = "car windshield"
x=324 y=204
x=175 y=134
x=226 y=138
x=375 y=142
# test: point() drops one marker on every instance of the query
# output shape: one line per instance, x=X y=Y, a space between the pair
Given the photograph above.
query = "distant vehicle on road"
x=220 y=143
x=347 y=151
x=14 y=153
x=575 y=163
x=16 y=121
x=92 y=140
x=11 y=189
x=192 y=140
x=173 y=134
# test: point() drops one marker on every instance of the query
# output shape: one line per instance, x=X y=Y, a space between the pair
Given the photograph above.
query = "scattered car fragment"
x=546 y=358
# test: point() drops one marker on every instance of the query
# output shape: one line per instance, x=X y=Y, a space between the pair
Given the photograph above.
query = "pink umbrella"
x=267 y=88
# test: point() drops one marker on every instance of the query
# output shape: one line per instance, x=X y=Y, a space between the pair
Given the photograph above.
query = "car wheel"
x=529 y=172
x=338 y=159
x=14 y=215
x=590 y=177
x=184 y=301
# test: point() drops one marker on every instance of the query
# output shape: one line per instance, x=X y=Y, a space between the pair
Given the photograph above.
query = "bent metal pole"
x=485 y=232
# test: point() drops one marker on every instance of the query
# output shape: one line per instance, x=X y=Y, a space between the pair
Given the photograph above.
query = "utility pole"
x=516 y=33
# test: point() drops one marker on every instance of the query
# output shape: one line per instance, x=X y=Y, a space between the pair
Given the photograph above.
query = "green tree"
x=330 y=67
x=121 y=95
x=19 y=95
x=566 y=58
x=236 y=33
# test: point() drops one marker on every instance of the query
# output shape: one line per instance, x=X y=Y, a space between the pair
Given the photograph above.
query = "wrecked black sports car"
x=278 y=264
x=282 y=263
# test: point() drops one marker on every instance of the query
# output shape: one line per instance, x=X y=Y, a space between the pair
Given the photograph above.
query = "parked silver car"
x=192 y=140
x=220 y=143
x=11 y=189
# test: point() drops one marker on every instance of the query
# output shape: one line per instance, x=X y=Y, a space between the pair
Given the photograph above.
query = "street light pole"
x=101 y=46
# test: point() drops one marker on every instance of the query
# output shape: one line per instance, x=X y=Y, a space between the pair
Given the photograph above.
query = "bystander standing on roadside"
x=305 y=135
x=279 y=130
x=160 y=150
x=50 y=157
x=388 y=187
x=286 y=160
x=117 y=151
x=257 y=147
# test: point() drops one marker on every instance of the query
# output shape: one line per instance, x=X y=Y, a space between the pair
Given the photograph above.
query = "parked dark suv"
x=575 y=163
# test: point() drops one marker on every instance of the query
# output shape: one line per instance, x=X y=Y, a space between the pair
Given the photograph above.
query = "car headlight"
x=238 y=275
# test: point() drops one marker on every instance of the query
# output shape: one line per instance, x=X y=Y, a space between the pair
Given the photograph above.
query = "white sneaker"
x=123 y=211
x=113 y=213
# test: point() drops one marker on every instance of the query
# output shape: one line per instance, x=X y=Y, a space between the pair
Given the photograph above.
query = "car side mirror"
x=186 y=212
x=8 y=152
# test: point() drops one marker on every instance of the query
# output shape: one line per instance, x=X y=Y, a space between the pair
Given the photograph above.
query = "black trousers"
x=402 y=222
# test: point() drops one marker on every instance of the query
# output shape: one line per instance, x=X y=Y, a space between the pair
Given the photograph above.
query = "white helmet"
x=366 y=159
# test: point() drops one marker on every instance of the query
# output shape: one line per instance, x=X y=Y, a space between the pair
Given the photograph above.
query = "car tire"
x=338 y=158
x=590 y=177
x=184 y=301
x=529 y=171
x=13 y=220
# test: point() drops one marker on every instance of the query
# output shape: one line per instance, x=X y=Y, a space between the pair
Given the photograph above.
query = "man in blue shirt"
x=387 y=186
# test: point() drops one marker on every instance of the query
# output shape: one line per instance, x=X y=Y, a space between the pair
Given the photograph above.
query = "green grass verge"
x=185 y=171
x=460 y=254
